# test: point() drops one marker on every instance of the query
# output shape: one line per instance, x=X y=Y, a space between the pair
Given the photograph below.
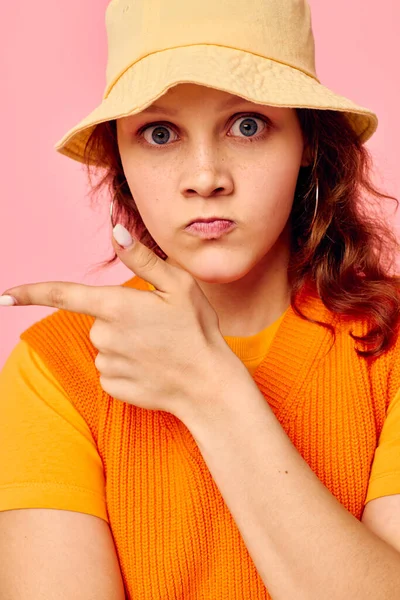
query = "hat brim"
x=255 y=78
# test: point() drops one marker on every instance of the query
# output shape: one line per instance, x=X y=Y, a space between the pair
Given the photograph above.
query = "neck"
x=247 y=306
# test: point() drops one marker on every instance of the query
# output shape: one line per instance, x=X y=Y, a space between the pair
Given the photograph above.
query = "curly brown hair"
x=346 y=254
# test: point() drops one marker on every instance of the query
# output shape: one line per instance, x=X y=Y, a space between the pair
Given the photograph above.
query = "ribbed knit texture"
x=174 y=535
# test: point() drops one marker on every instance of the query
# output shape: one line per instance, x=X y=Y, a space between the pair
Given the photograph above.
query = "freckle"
x=286 y=471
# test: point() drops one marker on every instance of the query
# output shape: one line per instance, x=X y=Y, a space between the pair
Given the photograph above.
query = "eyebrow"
x=171 y=111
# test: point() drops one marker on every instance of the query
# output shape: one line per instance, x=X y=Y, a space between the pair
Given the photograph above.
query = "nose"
x=206 y=174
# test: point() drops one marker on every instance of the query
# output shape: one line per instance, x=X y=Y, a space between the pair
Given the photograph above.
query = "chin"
x=218 y=272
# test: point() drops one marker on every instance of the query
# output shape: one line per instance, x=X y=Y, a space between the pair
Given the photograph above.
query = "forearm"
x=303 y=542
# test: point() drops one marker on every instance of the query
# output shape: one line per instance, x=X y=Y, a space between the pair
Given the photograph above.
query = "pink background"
x=52 y=61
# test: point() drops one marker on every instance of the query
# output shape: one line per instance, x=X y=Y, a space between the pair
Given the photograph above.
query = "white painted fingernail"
x=7 y=300
x=122 y=236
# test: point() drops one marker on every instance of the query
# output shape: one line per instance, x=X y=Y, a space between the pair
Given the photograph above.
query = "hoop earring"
x=111 y=213
x=316 y=206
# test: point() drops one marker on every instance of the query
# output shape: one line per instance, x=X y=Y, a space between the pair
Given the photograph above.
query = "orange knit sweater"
x=174 y=535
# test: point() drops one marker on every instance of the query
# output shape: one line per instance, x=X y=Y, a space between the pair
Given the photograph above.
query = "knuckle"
x=106 y=306
x=111 y=305
x=104 y=383
x=93 y=335
x=114 y=308
x=103 y=365
x=98 y=362
x=56 y=297
x=147 y=260
x=99 y=336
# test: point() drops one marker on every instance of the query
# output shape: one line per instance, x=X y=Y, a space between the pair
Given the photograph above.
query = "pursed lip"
x=209 y=220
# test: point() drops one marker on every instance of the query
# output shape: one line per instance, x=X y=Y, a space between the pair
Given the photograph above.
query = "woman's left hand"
x=159 y=350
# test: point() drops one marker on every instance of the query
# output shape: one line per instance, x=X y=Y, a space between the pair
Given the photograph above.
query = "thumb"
x=141 y=260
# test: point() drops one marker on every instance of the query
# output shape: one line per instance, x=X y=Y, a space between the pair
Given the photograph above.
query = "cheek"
x=149 y=192
x=273 y=173
x=272 y=190
x=154 y=209
x=269 y=199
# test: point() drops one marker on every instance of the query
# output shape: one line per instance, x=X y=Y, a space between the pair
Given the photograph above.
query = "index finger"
x=66 y=295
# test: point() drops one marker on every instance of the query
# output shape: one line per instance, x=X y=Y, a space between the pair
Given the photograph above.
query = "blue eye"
x=247 y=126
x=161 y=136
x=160 y=133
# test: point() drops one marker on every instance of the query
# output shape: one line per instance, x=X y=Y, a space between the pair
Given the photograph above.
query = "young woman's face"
x=196 y=158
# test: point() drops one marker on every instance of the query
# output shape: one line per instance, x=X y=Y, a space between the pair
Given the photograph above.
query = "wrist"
x=226 y=384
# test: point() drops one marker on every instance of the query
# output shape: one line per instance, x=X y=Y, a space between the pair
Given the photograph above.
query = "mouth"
x=210 y=228
x=209 y=220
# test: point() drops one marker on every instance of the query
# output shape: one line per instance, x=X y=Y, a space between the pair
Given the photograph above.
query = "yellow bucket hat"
x=261 y=50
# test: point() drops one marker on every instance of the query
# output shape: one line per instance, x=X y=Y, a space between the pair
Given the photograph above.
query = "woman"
x=224 y=424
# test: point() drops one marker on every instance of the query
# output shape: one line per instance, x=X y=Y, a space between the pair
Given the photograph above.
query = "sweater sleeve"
x=48 y=458
x=385 y=471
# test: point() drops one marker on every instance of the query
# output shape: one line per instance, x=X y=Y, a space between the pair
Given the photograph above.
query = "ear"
x=307 y=158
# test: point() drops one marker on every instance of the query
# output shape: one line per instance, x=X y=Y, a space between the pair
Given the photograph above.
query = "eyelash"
x=259 y=137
